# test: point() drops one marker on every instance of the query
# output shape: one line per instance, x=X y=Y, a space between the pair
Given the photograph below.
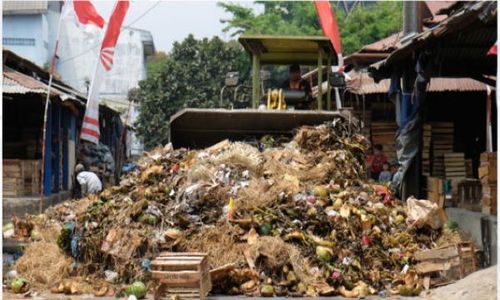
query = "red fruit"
x=365 y=240
x=175 y=168
x=311 y=199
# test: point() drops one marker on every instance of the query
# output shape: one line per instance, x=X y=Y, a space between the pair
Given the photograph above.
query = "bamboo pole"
x=47 y=102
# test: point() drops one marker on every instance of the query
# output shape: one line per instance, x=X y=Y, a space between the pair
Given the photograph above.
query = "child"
x=385 y=175
x=376 y=160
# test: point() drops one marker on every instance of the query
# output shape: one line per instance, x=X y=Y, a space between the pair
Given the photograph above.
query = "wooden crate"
x=20 y=177
x=446 y=264
x=454 y=165
x=489 y=199
x=181 y=275
x=469 y=194
x=435 y=190
x=487 y=170
x=437 y=169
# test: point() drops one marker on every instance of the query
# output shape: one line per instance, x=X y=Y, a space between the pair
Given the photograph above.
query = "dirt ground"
x=481 y=285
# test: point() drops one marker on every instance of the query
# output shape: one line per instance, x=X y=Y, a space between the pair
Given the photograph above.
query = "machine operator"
x=295 y=82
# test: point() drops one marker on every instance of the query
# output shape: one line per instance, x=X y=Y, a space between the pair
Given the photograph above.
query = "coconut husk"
x=44 y=264
x=263 y=193
x=220 y=244
x=48 y=230
x=240 y=154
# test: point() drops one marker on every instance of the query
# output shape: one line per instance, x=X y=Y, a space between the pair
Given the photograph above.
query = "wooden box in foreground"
x=181 y=276
x=435 y=190
x=446 y=264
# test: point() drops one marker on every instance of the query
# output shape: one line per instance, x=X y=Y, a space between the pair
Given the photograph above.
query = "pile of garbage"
x=293 y=220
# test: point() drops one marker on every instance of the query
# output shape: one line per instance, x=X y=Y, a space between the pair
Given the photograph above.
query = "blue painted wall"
x=29 y=28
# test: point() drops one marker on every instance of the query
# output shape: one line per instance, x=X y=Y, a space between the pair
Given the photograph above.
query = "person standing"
x=88 y=181
x=385 y=175
x=376 y=161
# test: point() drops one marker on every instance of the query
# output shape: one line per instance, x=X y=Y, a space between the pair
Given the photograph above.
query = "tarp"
x=408 y=137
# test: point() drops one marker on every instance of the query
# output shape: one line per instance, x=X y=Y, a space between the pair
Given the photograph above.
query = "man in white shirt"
x=89 y=182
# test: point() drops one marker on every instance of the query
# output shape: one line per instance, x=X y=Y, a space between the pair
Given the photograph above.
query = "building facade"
x=30 y=28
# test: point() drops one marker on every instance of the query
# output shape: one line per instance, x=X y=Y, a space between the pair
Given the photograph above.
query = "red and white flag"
x=90 y=127
x=329 y=26
x=83 y=13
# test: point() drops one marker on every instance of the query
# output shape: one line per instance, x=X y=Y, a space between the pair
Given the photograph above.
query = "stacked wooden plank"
x=384 y=133
x=488 y=176
x=181 y=276
x=435 y=190
x=426 y=150
x=442 y=142
x=454 y=165
x=446 y=264
x=442 y=137
x=20 y=177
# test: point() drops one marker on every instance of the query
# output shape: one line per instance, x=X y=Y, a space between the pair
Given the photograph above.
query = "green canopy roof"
x=281 y=50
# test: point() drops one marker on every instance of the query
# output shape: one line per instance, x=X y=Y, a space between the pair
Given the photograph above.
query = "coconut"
x=35 y=235
x=345 y=211
x=20 y=285
x=138 y=289
x=173 y=234
x=267 y=290
x=324 y=253
x=320 y=191
x=337 y=204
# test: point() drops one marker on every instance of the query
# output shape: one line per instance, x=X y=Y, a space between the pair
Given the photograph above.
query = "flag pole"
x=45 y=113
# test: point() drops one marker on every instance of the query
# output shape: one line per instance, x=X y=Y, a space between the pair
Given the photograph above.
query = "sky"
x=171 y=21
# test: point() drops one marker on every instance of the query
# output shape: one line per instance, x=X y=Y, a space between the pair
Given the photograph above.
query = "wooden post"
x=46 y=154
x=255 y=81
x=328 y=90
x=319 y=97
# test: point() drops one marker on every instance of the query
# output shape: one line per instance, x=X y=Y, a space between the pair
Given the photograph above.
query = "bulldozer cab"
x=198 y=128
x=289 y=50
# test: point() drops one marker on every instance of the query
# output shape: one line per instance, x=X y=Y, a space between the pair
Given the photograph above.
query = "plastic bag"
x=422 y=212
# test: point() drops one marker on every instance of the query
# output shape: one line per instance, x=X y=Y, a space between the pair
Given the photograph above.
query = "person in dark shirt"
x=295 y=82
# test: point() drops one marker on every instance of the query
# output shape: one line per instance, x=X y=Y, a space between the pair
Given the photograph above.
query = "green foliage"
x=191 y=75
x=365 y=24
x=156 y=63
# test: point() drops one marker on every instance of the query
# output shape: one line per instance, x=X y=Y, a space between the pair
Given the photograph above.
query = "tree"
x=365 y=24
x=156 y=63
x=191 y=75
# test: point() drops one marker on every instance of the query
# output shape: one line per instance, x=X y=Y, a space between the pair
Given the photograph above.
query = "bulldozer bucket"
x=199 y=128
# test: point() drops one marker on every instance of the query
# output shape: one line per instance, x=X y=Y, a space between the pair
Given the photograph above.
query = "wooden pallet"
x=446 y=264
x=181 y=276
x=469 y=194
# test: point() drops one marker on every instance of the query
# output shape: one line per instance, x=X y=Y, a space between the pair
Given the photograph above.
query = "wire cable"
x=123 y=27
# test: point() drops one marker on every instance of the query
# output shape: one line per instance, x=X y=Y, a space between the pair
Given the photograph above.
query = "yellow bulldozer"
x=270 y=112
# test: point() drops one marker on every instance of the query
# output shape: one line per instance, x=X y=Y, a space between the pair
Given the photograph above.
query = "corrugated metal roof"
x=384 y=45
x=24 y=7
x=18 y=83
x=362 y=83
x=460 y=42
